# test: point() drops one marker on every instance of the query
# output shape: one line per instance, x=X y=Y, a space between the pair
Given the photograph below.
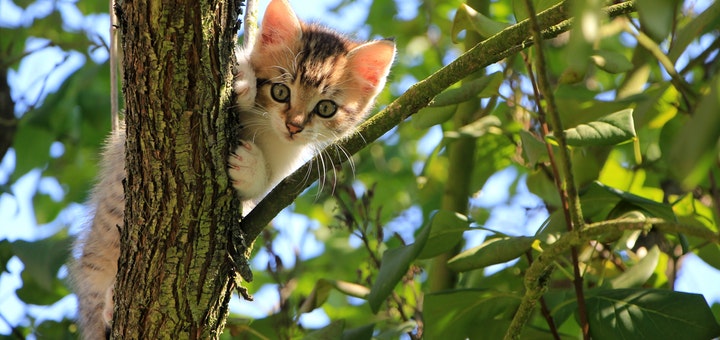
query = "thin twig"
x=538 y=272
x=564 y=179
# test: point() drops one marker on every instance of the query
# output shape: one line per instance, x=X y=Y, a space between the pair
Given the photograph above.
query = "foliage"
x=636 y=98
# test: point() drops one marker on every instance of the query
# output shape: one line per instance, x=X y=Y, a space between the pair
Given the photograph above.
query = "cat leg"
x=244 y=81
x=248 y=170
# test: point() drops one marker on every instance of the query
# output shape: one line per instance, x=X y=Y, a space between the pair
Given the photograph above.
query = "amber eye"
x=326 y=108
x=280 y=92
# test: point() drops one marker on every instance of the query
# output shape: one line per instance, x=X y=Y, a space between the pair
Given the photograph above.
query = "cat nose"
x=293 y=128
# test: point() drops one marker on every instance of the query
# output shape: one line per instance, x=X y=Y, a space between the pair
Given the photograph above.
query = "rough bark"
x=174 y=277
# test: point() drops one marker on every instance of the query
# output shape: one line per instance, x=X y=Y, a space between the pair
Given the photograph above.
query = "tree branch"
x=251 y=25
x=565 y=180
x=511 y=40
x=538 y=273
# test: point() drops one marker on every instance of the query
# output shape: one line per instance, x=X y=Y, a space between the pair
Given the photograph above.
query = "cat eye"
x=325 y=108
x=280 y=92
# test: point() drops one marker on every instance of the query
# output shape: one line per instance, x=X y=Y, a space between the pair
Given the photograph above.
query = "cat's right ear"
x=280 y=25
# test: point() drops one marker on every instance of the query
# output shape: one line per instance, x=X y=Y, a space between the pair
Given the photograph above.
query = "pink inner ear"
x=280 y=24
x=371 y=62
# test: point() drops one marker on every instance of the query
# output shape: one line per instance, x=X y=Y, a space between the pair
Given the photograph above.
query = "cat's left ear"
x=280 y=26
x=370 y=63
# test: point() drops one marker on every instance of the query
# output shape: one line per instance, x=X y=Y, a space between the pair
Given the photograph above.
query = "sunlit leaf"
x=612 y=129
x=649 y=314
x=639 y=273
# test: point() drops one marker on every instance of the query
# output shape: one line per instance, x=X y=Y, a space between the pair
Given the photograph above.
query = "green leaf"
x=656 y=17
x=599 y=199
x=612 y=129
x=695 y=148
x=540 y=184
x=467 y=18
x=32 y=149
x=534 y=149
x=6 y=253
x=46 y=209
x=494 y=251
x=38 y=292
x=47 y=27
x=611 y=61
x=43 y=258
x=520 y=9
x=707 y=20
x=12 y=45
x=360 y=333
x=430 y=116
x=50 y=329
x=332 y=331
x=576 y=105
x=475 y=129
x=710 y=253
x=649 y=314
x=456 y=314
x=482 y=87
x=638 y=274
x=583 y=36
x=446 y=231
x=395 y=264
x=321 y=292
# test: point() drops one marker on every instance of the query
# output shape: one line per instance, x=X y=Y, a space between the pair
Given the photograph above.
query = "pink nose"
x=293 y=129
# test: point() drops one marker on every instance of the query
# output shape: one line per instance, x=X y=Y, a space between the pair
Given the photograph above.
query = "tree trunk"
x=174 y=278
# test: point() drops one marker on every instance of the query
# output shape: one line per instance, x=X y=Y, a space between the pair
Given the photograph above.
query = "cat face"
x=315 y=84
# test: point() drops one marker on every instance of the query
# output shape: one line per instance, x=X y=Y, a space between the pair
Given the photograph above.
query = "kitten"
x=301 y=87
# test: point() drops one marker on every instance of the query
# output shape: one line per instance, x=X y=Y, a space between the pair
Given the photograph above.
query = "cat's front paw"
x=244 y=82
x=248 y=171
